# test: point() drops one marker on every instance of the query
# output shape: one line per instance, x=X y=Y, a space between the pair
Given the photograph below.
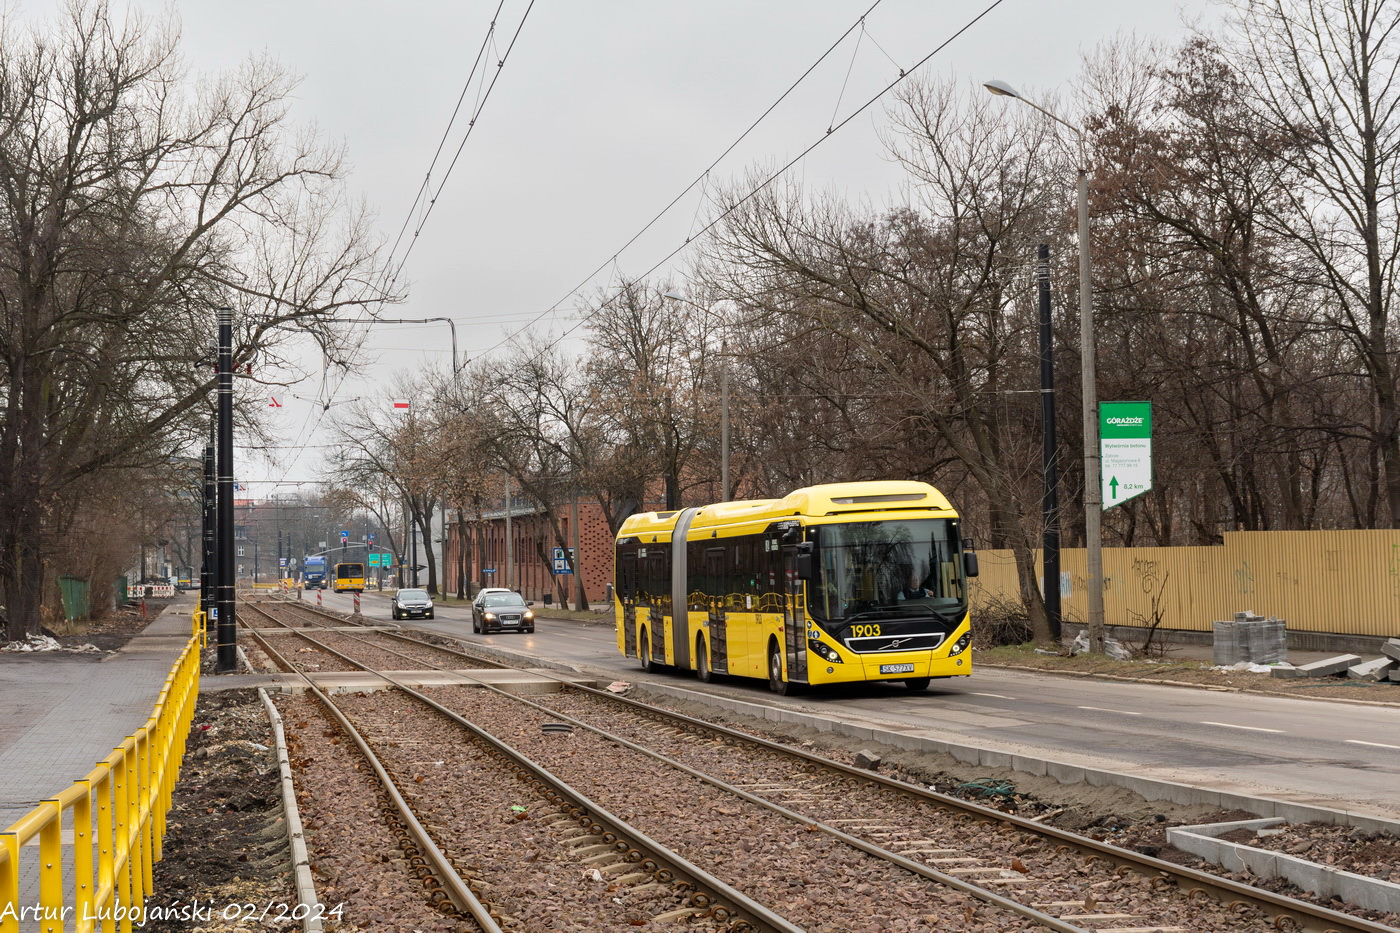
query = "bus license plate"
x=896 y=668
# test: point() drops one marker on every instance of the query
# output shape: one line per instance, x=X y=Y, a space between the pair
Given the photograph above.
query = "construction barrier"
x=116 y=815
x=150 y=591
x=1335 y=582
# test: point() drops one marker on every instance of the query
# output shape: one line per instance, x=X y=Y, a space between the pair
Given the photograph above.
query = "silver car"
x=502 y=611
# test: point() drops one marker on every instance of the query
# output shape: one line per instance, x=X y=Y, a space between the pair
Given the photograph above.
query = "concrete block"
x=1378 y=669
x=1329 y=667
x=1395 y=676
x=1322 y=880
x=1286 y=672
x=1392 y=648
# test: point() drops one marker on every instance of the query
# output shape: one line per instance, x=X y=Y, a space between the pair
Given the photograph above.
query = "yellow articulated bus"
x=349 y=578
x=832 y=584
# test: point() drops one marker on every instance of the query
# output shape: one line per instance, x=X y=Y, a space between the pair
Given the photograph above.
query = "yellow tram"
x=831 y=584
x=349 y=578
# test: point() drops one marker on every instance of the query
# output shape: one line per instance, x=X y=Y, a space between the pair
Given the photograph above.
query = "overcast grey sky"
x=605 y=110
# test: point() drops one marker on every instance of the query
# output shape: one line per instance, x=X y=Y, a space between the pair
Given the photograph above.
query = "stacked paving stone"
x=1250 y=638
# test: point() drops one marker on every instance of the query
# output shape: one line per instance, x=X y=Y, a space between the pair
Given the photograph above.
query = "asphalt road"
x=1334 y=754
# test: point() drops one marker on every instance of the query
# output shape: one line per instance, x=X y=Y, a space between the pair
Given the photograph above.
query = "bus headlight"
x=823 y=651
x=960 y=645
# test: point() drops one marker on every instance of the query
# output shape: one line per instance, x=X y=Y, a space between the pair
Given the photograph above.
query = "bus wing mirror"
x=806 y=562
x=969 y=559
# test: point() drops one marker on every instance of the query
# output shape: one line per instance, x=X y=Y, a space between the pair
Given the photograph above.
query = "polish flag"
x=275 y=403
x=401 y=404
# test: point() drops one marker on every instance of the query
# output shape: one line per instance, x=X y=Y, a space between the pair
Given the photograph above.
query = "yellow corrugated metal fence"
x=1342 y=582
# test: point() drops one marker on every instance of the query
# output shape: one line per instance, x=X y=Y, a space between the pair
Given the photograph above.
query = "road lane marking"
x=1372 y=744
x=1231 y=725
x=1100 y=709
x=997 y=695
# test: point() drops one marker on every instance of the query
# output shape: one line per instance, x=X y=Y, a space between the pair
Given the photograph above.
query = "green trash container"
x=119 y=590
x=75 y=597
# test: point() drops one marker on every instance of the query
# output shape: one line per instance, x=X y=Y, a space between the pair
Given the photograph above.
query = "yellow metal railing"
x=117 y=817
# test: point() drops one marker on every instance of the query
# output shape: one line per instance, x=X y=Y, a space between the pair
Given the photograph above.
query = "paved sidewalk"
x=66 y=711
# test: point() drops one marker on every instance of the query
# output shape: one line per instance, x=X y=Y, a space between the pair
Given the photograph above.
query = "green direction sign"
x=374 y=558
x=1125 y=450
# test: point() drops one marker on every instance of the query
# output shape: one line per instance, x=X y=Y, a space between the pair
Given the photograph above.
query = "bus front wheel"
x=917 y=684
x=775 y=672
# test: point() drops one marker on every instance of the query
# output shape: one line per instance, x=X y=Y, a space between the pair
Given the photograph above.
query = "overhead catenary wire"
x=388 y=279
x=859 y=23
x=753 y=192
x=699 y=179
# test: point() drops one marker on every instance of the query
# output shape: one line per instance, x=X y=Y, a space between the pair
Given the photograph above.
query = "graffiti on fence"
x=1244 y=578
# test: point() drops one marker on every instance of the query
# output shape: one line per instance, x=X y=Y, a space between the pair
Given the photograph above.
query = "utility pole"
x=577 y=562
x=227 y=661
x=510 y=544
x=1050 y=503
x=209 y=571
x=1093 y=488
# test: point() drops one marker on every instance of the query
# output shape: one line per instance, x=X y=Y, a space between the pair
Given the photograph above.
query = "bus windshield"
x=888 y=569
x=349 y=570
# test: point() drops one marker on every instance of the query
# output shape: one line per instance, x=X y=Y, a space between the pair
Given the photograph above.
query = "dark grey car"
x=412 y=604
x=502 y=612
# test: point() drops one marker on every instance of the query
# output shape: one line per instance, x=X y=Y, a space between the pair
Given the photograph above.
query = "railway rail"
x=974 y=851
x=678 y=892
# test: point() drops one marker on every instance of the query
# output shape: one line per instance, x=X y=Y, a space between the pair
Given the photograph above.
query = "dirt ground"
x=1177 y=670
x=226 y=843
x=111 y=632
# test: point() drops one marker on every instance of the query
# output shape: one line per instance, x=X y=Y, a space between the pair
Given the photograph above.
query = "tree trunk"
x=422 y=519
x=463 y=554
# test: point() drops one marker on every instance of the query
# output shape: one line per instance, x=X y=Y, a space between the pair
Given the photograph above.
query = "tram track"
x=800 y=782
x=665 y=890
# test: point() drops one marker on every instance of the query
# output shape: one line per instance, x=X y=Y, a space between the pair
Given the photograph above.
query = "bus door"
x=794 y=618
x=715 y=583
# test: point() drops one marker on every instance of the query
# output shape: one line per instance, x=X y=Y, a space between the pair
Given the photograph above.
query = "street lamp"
x=1093 y=492
x=724 y=400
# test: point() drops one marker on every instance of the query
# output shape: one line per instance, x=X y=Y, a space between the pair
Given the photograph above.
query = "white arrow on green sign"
x=1125 y=449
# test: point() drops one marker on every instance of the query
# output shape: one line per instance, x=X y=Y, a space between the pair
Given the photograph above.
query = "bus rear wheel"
x=702 y=663
x=775 y=672
x=917 y=684
x=644 y=653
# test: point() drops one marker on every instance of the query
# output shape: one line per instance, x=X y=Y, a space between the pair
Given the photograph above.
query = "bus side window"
x=627 y=574
x=714 y=572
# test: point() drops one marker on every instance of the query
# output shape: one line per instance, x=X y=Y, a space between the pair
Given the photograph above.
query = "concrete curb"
x=1322 y=880
x=1118 y=678
x=1147 y=788
x=301 y=862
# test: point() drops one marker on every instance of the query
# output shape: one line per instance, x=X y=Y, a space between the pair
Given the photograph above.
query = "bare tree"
x=651 y=377
x=932 y=299
x=1324 y=80
x=128 y=211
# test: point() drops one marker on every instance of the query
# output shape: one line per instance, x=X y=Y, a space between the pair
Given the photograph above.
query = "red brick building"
x=533 y=552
